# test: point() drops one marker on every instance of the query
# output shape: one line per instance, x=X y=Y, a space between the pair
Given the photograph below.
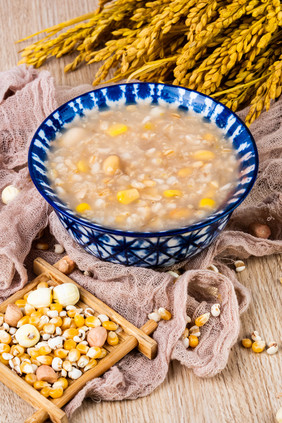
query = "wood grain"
x=246 y=391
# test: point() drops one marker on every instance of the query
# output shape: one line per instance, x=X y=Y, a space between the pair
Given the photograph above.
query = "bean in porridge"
x=143 y=167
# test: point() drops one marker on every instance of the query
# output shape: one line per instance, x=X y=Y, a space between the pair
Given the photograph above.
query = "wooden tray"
x=130 y=337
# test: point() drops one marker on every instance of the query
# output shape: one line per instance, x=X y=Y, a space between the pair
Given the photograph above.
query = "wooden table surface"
x=248 y=389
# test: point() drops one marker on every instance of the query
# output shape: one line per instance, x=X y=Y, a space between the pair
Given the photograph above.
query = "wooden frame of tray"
x=130 y=337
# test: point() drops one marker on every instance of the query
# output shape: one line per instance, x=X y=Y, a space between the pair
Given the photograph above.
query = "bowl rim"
x=138 y=234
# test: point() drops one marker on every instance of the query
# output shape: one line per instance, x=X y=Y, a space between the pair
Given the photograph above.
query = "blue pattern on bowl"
x=147 y=249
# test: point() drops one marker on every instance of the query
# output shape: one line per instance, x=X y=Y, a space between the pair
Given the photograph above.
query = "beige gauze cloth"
x=26 y=98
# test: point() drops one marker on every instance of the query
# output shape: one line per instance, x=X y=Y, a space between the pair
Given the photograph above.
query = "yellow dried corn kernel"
x=112 y=338
x=57 y=321
x=24 y=357
x=23 y=321
x=61 y=352
x=30 y=378
x=49 y=328
x=201 y=320
x=74 y=355
x=67 y=365
x=204 y=155
x=92 y=363
x=258 y=346
x=72 y=312
x=43 y=310
x=73 y=325
x=44 y=350
x=5 y=337
x=45 y=391
x=207 y=203
x=33 y=352
x=45 y=359
x=127 y=196
x=17 y=350
x=117 y=129
x=40 y=384
x=34 y=321
x=34 y=361
x=5 y=348
x=185 y=333
x=36 y=314
x=185 y=171
x=82 y=348
x=20 y=303
x=94 y=352
x=29 y=309
x=83 y=361
x=26 y=367
x=69 y=344
x=172 y=193
x=26 y=296
x=70 y=333
x=56 y=392
x=92 y=321
x=193 y=341
x=103 y=353
x=247 y=343
x=40 y=325
x=63 y=382
x=66 y=323
x=109 y=325
x=165 y=314
x=82 y=207
x=6 y=362
x=56 y=307
x=79 y=320
x=82 y=166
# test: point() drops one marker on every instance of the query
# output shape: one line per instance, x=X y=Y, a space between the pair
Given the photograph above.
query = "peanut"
x=111 y=164
x=259 y=230
x=46 y=373
x=96 y=337
x=13 y=314
x=65 y=265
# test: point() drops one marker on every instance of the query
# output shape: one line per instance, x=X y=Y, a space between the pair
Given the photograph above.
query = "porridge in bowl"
x=143 y=167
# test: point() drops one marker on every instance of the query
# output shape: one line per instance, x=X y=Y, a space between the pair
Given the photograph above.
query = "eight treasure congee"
x=143 y=167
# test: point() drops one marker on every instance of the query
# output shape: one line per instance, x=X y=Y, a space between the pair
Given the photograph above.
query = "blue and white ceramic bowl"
x=147 y=249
